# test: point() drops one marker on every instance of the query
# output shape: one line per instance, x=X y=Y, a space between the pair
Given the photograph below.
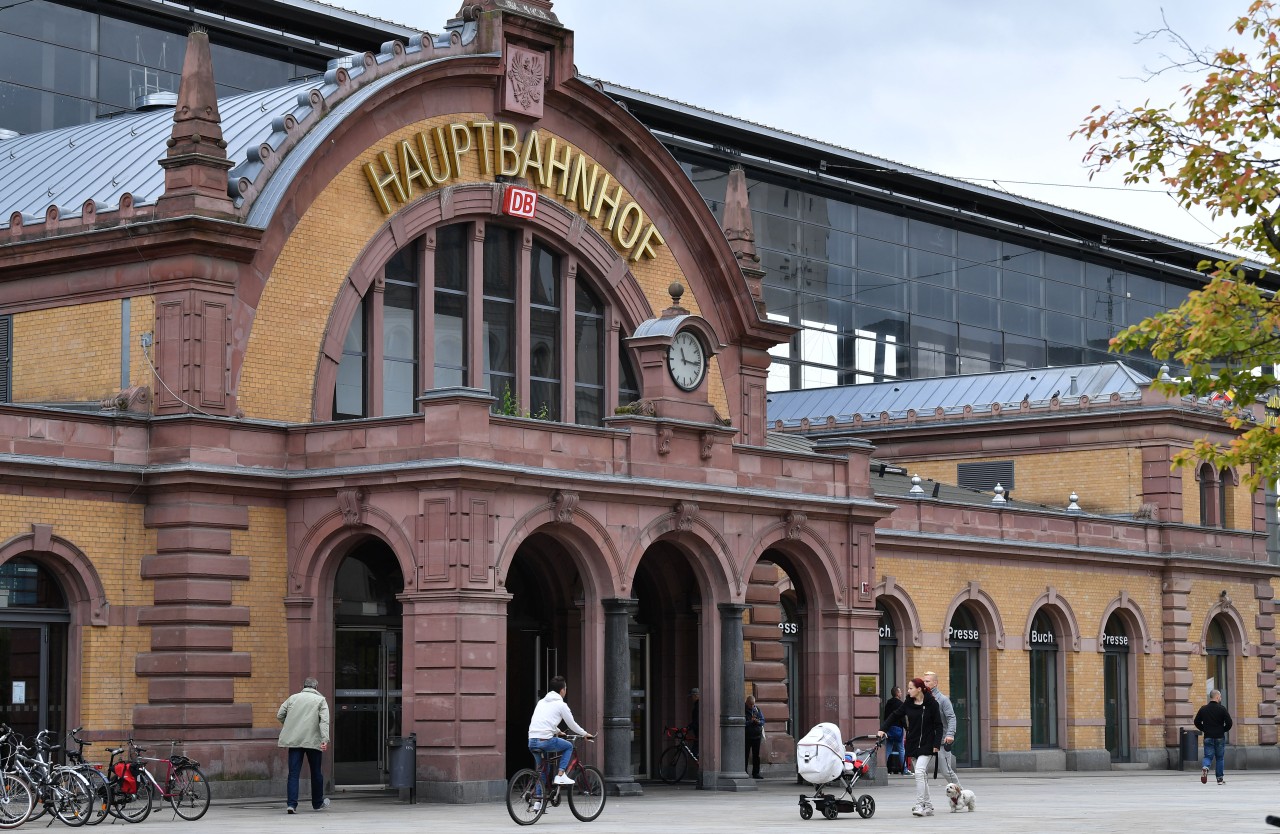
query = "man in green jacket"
x=305 y=716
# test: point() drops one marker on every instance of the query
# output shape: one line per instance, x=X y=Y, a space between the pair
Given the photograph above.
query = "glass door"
x=367 y=702
x=1115 y=675
x=641 y=737
x=964 y=699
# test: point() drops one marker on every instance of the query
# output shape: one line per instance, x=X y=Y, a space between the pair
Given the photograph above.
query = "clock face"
x=687 y=361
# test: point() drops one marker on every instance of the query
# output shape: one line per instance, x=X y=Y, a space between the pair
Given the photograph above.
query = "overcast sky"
x=982 y=89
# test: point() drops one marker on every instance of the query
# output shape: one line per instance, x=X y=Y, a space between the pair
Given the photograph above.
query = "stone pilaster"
x=192 y=665
x=732 y=774
x=617 y=698
x=1266 y=623
x=1175 y=621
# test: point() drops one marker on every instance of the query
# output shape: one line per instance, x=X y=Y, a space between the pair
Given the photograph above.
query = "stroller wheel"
x=806 y=811
x=866 y=806
x=829 y=810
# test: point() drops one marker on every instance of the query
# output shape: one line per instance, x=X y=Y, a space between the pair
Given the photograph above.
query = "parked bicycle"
x=92 y=773
x=679 y=758
x=17 y=797
x=185 y=785
x=531 y=791
x=56 y=789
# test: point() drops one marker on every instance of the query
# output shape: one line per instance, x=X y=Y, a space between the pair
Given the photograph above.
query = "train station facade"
x=437 y=376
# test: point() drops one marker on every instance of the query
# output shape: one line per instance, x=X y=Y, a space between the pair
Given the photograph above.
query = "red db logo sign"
x=519 y=202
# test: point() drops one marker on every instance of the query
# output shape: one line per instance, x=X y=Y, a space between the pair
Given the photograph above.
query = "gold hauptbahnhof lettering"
x=431 y=158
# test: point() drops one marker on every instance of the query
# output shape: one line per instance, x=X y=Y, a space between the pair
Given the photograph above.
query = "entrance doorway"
x=1115 y=678
x=368 y=649
x=965 y=670
x=33 y=639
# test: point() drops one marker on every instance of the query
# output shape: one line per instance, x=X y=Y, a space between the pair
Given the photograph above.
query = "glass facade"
x=882 y=295
x=63 y=66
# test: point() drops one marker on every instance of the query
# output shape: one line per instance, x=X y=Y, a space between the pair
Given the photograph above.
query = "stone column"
x=1175 y=633
x=732 y=775
x=617 y=698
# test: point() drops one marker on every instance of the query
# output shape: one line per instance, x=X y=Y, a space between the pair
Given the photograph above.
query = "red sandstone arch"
x=708 y=553
x=1233 y=626
x=584 y=536
x=809 y=555
x=899 y=602
x=313 y=564
x=985 y=610
x=1133 y=618
x=1058 y=610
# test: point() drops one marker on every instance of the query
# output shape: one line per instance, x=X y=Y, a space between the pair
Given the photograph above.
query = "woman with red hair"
x=923 y=719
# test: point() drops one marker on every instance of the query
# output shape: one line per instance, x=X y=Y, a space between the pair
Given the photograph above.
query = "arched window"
x=1215 y=487
x=508 y=312
x=1044 y=681
x=33 y=642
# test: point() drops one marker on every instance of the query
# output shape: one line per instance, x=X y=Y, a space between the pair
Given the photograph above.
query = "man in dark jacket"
x=1214 y=721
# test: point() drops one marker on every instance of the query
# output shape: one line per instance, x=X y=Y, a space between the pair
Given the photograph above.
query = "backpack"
x=128 y=777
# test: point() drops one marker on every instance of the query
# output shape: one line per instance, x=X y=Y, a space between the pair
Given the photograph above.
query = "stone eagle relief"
x=526 y=75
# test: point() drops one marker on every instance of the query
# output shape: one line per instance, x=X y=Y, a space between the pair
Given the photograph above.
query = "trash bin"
x=402 y=759
x=1189 y=743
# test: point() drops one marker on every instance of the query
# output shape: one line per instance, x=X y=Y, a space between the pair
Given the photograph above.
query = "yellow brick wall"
x=284 y=346
x=142 y=319
x=1190 y=497
x=1015 y=588
x=1107 y=480
x=112 y=536
x=1244 y=694
x=267 y=638
x=67 y=354
x=1239 y=502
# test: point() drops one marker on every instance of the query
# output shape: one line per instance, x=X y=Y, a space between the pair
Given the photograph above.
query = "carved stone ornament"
x=526 y=80
x=794 y=521
x=135 y=400
x=664 y=440
x=685 y=512
x=349 y=502
x=563 y=504
x=708 y=440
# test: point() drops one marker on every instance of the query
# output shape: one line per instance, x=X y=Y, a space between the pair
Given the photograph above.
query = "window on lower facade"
x=519 y=321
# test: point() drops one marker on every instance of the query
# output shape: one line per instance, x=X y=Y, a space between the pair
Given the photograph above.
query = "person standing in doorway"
x=923 y=738
x=544 y=728
x=895 y=756
x=755 y=735
x=695 y=695
x=1214 y=721
x=305 y=716
x=946 y=761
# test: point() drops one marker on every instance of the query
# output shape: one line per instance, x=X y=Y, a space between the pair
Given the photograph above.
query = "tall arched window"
x=1217 y=657
x=33 y=642
x=507 y=312
x=1043 y=649
x=1215 y=487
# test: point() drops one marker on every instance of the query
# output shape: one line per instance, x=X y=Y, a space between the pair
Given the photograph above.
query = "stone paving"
x=1127 y=801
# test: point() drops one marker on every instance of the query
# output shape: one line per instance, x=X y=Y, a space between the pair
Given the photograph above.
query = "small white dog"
x=960 y=797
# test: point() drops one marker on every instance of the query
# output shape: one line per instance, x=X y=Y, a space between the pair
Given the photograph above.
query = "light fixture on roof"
x=999 y=499
x=916 y=490
x=1073 y=506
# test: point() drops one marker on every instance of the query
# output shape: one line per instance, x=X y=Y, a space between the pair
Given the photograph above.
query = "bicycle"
x=185 y=785
x=92 y=774
x=675 y=759
x=531 y=790
x=60 y=790
x=17 y=797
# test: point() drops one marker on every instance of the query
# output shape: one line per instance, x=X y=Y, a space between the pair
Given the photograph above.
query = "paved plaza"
x=1145 y=801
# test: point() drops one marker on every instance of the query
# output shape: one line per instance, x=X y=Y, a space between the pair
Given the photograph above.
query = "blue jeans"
x=1215 y=748
x=551 y=745
x=313 y=767
x=894 y=743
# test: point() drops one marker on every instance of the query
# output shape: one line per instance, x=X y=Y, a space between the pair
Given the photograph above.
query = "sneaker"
x=563 y=779
x=1204 y=775
x=917 y=811
x=928 y=810
x=536 y=807
x=1222 y=781
x=289 y=809
x=324 y=805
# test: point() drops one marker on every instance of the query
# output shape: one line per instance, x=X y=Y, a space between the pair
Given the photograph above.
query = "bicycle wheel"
x=189 y=792
x=672 y=765
x=525 y=797
x=17 y=800
x=101 y=794
x=132 y=807
x=72 y=797
x=586 y=797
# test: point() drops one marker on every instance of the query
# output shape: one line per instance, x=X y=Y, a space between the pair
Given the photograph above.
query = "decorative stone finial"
x=999 y=499
x=1072 y=505
x=196 y=164
x=740 y=234
x=676 y=291
x=916 y=490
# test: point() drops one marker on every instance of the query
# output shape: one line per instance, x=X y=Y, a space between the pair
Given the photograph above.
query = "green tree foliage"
x=1217 y=149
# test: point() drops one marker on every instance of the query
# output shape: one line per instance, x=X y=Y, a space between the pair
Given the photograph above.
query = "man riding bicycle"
x=545 y=724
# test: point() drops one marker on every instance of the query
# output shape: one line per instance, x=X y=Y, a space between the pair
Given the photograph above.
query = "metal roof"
x=953 y=393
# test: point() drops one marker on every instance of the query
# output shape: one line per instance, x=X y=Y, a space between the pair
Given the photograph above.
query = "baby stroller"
x=822 y=760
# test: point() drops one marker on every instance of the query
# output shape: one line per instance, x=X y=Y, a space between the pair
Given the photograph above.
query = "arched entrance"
x=1115 y=687
x=368 y=663
x=965 y=661
x=1217 y=661
x=544 y=637
x=1044 y=682
x=34 y=618
x=890 y=653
